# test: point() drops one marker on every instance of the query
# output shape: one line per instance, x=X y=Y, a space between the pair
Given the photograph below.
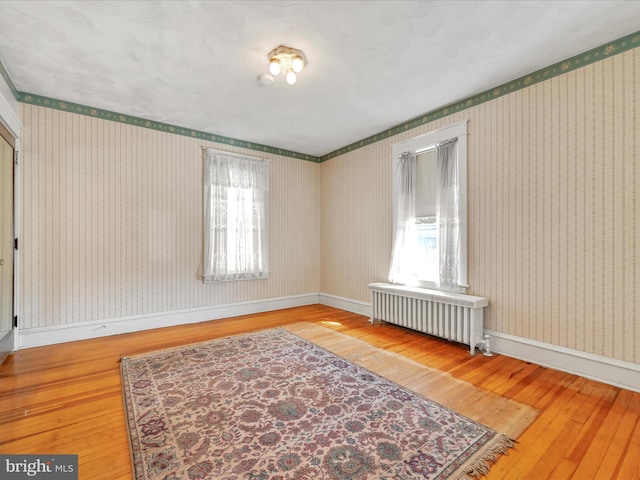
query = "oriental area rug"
x=272 y=405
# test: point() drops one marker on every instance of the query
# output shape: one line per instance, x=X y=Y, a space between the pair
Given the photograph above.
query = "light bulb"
x=291 y=77
x=274 y=66
x=297 y=64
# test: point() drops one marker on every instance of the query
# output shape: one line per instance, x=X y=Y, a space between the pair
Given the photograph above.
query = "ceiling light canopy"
x=289 y=60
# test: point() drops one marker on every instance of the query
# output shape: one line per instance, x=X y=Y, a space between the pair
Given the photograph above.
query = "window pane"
x=427 y=261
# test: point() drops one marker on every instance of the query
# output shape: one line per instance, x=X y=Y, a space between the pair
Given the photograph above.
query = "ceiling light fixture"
x=289 y=60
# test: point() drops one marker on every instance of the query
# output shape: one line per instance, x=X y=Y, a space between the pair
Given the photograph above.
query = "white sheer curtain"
x=447 y=216
x=405 y=239
x=236 y=197
x=404 y=253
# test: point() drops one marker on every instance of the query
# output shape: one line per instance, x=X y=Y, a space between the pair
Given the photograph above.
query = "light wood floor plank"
x=630 y=466
x=566 y=429
x=537 y=438
x=605 y=465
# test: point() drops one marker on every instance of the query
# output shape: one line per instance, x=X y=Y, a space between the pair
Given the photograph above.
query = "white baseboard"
x=595 y=367
x=603 y=369
x=37 y=337
x=354 y=306
x=7 y=344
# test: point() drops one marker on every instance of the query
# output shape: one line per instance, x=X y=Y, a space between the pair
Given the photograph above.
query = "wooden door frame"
x=8 y=343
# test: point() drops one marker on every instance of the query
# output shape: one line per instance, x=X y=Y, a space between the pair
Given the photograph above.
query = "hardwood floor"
x=67 y=398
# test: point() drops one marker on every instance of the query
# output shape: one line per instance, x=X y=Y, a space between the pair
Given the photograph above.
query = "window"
x=236 y=199
x=430 y=235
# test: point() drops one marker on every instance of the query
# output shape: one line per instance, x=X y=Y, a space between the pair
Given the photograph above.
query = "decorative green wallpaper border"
x=600 y=53
x=162 y=127
x=623 y=44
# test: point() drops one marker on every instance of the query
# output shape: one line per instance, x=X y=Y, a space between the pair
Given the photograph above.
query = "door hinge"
x=15 y=322
x=15 y=243
x=16 y=156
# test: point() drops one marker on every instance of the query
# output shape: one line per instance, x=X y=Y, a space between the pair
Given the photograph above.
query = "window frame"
x=238 y=275
x=420 y=143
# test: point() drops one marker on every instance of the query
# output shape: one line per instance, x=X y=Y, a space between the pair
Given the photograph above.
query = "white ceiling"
x=372 y=64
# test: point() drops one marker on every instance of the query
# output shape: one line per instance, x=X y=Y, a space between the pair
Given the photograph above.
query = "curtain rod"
x=426 y=149
x=233 y=154
x=433 y=147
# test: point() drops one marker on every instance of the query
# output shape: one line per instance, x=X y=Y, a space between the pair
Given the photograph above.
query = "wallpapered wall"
x=553 y=210
x=112 y=223
x=111 y=216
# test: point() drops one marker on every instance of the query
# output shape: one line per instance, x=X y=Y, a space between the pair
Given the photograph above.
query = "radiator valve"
x=486 y=346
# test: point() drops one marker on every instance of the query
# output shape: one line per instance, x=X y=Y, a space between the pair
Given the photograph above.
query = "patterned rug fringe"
x=482 y=463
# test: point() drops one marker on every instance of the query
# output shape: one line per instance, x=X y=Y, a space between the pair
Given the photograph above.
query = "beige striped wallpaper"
x=112 y=223
x=553 y=210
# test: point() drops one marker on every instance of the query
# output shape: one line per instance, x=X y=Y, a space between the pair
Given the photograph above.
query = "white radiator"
x=453 y=316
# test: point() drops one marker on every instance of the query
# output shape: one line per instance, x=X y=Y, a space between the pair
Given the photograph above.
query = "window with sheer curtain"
x=430 y=236
x=236 y=205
